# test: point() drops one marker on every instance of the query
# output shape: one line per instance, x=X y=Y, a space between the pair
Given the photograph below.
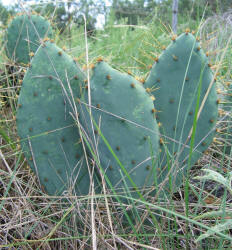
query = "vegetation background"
x=129 y=34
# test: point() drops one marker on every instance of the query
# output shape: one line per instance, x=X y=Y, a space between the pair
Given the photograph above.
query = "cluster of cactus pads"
x=64 y=125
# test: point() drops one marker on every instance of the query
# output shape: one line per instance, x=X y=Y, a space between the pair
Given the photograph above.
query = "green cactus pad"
x=23 y=36
x=175 y=77
x=123 y=111
x=49 y=138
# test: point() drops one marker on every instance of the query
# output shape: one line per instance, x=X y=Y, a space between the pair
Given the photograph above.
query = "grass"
x=198 y=217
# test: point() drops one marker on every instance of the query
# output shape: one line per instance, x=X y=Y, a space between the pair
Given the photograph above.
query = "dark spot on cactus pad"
x=30 y=129
x=158 y=80
x=173 y=38
x=187 y=31
x=211 y=120
x=142 y=80
x=59 y=171
x=95 y=132
x=35 y=94
x=99 y=59
x=186 y=79
x=45 y=152
x=19 y=105
x=203 y=143
x=198 y=48
x=49 y=118
x=63 y=139
x=190 y=113
x=148 y=167
x=75 y=77
x=174 y=128
x=117 y=148
x=111 y=167
x=175 y=58
x=60 y=53
x=77 y=156
x=45 y=179
x=50 y=77
x=98 y=106
x=31 y=159
x=161 y=141
x=133 y=162
x=145 y=138
x=171 y=100
x=132 y=85
x=108 y=77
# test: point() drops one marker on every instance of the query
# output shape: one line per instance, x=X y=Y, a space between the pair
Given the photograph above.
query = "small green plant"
x=224 y=224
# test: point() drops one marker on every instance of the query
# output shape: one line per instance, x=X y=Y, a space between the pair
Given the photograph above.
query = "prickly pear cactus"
x=177 y=75
x=49 y=136
x=23 y=36
x=124 y=113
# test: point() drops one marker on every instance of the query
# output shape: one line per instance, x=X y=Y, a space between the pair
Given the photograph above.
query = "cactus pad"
x=23 y=36
x=123 y=112
x=177 y=76
x=49 y=138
